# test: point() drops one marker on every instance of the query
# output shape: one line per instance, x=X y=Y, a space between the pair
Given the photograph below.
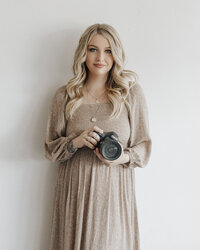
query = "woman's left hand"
x=122 y=159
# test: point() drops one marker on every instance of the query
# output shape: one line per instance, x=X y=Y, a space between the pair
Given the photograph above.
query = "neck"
x=96 y=83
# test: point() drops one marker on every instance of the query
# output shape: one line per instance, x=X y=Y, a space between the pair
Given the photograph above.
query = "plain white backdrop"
x=161 y=40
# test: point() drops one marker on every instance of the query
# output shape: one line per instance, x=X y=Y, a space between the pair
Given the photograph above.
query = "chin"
x=99 y=72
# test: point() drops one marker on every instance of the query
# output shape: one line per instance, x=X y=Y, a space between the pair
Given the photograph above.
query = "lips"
x=99 y=65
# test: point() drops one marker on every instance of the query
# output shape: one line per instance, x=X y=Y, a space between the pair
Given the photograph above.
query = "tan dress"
x=94 y=205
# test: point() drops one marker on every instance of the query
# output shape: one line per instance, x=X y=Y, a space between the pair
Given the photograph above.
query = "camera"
x=109 y=146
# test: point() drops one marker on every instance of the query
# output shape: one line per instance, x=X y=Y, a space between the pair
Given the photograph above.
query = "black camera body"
x=109 y=146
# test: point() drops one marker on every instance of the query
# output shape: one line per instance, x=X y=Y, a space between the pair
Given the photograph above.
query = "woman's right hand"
x=88 y=138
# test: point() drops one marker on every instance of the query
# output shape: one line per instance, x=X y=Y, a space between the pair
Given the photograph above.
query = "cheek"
x=90 y=57
x=110 y=60
x=110 y=57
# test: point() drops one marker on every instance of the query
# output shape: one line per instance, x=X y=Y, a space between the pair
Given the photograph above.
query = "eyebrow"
x=97 y=47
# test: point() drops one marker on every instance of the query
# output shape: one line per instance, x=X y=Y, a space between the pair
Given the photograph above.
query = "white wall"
x=161 y=41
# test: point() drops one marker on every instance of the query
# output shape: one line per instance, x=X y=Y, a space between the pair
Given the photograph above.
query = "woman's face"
x=99 y=59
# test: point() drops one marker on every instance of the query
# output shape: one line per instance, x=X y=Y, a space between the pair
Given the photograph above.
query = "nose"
x=100 y=56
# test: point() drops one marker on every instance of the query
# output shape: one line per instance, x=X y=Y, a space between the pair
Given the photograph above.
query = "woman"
x=95 y=206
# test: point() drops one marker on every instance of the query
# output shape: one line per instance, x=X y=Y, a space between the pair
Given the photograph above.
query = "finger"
x=97 y=129
x=97 y=153
x=107 y=163
x=100 y=156
x=91 y=140
x=94 y=135
x=88 y=144
x=121 y=145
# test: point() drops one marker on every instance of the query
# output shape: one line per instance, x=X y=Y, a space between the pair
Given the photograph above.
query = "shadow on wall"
x=50 y=67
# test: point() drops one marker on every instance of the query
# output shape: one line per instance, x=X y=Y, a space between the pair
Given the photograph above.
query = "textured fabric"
x=94 y=205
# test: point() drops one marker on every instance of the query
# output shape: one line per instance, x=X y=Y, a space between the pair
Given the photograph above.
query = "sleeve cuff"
x=130 y=163
x=69 y=139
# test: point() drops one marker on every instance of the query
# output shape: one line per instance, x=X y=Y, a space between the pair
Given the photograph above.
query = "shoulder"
x=136 y=93
x=60 y=93
x=136 y=90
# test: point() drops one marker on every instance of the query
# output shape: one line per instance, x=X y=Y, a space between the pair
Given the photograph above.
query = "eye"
x=108 y=51
x=92 y=49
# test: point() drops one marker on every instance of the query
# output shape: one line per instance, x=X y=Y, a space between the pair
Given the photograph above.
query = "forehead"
x=99 y=40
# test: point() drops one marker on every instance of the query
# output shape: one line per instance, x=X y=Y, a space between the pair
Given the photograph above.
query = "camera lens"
x=110 y=150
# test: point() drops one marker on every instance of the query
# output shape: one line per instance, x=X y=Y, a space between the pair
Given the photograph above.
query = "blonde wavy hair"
x=119 y=80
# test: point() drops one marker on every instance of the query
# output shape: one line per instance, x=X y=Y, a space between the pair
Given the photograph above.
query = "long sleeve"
x=140 y=143
x=56 y=141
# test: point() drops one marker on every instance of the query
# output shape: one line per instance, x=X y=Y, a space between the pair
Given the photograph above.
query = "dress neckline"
x=95 y=103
